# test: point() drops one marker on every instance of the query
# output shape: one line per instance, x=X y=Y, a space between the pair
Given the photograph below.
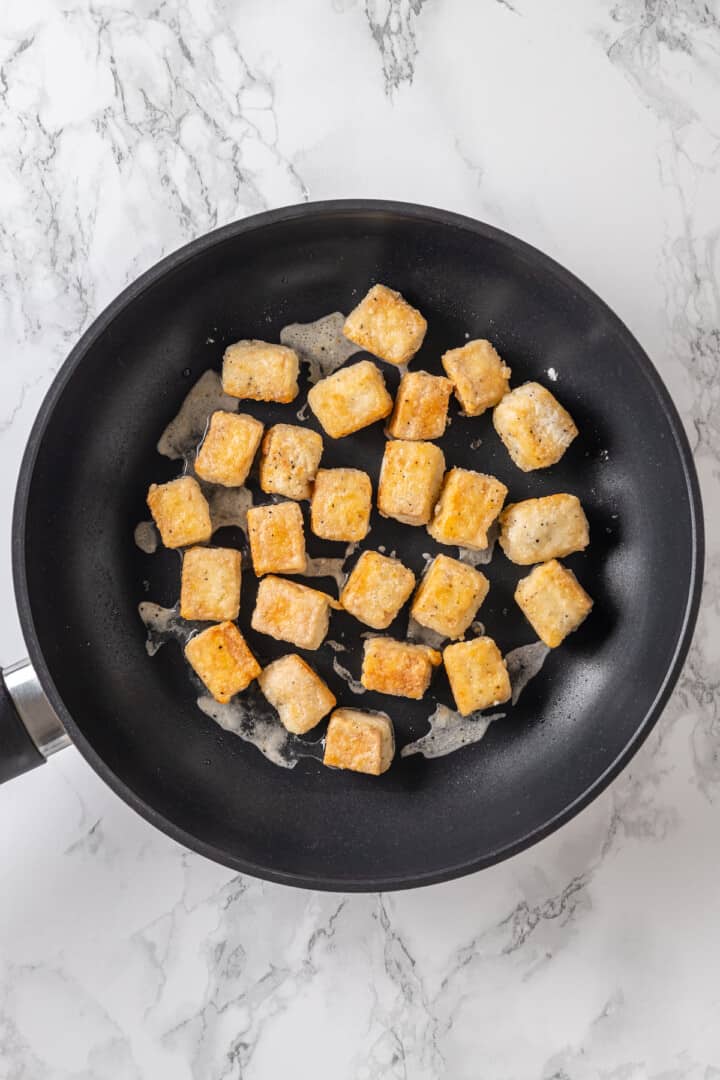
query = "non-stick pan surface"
x=79 y=576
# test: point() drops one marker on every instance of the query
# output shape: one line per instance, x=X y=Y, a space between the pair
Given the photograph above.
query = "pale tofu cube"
x=181 y=512
x=536 y=530
x=210 y=587
x=385 y=325
x=221 y=658
x=448 y=597
x=298 y=693
x=277 y=538
x=341 y=504
x=421 y=406
x=289 y=460
x=228 y=448
x=350 y=399
x=469 y=503
x=397 y=667
x=259 y=371
x=376 y=589
x=291 y=612
x=478 y=676
x=534 y=427
x=553 y=601
x=410 y=480
x=361 y=741
x=479 y=376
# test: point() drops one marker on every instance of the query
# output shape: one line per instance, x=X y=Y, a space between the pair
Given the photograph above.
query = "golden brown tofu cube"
x=291 y=612
x=350 y=399
x=553 y=601
x=469 y=503
x=228 y=448
x=259 y=371
x=449 y=596
x=479 y=376
x=361 y=741
x=421 y=406
x=210 y=589
x=534 y=427
x=222 y=659
x=410 y=480
x=341 y=504
x=536 y=530
x=297 y=692
x=477 y=673
x=277 y=538
x=289 y=461
x=181 y=512
x=376 y=589
x=398 y=668
x=385 y=325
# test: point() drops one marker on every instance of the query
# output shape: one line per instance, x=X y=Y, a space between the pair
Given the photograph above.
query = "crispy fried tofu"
x=449 y=596
x=222 y=659
x=410 y=479
x=385 y=325
x=361 y=741
x=291 y=612
x=479 y=376
x=534 y=427
x=341 y=504
x=478 y=676
x=298 y=693
x=350 y=399
x=289 y=460
x=553 y=601
x=259 y=371
x=397 y=667
x=181 y=512
x=536 y=530
x=469 y=503
x=210 y=588
x=228 y=448
x=277 y=538
x=421 y=406
x=376 y=589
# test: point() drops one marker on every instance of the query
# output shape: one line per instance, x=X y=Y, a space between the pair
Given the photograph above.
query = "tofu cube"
x=397 y=667
x=421 y=406
x=385 y=325
x=449 y=596
x=297 y=692
x=469 y=503
x=376 y=589
x=222 y=659
x=553 y=601
x=410 y=480
x=534 y=427
x=259 y=371
x=478 y=676
x=341 y=504
x=277 y=538
x=361 y=741
x=289 y=460
x=350 y=399
x=228 y=449
x=536 y=530
x=181 y=512
x=291 y=612
x=479 y=376
x=210 y=588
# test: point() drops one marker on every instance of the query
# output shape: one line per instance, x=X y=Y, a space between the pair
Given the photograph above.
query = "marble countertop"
x=589 y=129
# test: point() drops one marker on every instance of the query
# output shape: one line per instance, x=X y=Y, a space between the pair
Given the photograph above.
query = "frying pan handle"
x=30 y=730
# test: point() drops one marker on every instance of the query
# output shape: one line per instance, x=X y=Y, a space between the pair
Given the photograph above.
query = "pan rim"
x=171 y=262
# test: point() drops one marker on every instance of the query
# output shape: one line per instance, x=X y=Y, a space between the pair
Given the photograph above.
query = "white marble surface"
x=591 y=129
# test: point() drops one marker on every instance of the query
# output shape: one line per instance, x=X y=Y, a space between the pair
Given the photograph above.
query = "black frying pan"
x=79 y=576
